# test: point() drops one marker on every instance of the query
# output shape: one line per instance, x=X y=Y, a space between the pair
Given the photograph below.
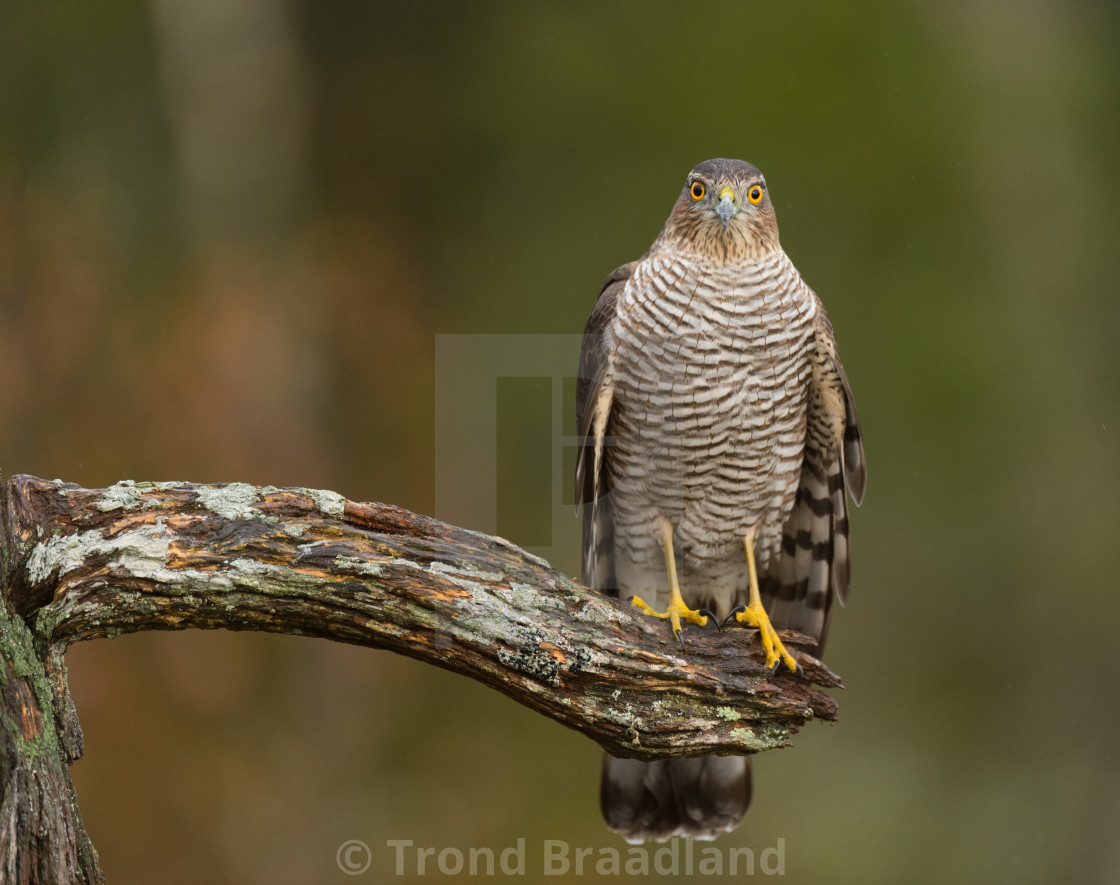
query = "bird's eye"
x=697 y=190
x=755 y=194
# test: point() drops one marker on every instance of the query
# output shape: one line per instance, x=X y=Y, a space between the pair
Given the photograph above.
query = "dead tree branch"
x=88 y=563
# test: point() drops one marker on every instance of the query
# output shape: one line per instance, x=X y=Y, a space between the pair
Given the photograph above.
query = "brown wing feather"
x=855 y=463
x=591 y=486
x=814 y=565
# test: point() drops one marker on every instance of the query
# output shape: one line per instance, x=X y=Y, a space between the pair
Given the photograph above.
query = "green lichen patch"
x=521 y=596
x=256 y=568
x=329 y=503
x=122 y=496
x=353 y=564
x=233 y=501
x=17 y=648
x=468 y=577
x=595 y=611
x=270 y=579
x=142 y=551
x=747 y=737
x=62 y=552
x=727 y=714
x=766 y=737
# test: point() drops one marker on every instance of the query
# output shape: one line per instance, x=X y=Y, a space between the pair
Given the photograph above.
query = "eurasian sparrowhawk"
x=718 y=436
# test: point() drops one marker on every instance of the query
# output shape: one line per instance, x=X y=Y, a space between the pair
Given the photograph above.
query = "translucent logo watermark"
x=505 y=438
x=557 y=857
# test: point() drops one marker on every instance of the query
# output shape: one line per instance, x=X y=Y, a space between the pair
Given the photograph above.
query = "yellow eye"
x=697 y=190
x=755 y=194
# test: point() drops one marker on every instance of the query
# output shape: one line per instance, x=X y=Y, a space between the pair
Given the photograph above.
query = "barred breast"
x=711 y=372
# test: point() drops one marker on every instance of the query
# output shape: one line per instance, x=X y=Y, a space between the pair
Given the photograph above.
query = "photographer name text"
x=555 y=857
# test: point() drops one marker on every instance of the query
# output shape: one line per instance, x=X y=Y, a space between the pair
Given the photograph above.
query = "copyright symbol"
x=353 y=857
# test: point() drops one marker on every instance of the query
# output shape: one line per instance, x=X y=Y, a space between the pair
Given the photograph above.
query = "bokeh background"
x=230 y=233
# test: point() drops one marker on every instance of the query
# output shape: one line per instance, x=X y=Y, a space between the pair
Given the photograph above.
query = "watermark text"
x=556 y=857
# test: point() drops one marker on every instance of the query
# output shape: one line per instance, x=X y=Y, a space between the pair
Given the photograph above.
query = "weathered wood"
x=41 y=834
x=88 y=563
x=101 y=562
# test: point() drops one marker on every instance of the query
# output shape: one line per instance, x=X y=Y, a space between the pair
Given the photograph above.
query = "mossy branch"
x=88 y=563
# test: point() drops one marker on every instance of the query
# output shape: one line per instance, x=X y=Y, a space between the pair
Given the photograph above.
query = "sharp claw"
x=676 y=612
x=710 y=614
x=774 y=669
x=731 y=614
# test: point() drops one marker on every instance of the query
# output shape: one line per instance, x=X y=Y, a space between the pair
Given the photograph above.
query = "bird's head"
x=724 y=212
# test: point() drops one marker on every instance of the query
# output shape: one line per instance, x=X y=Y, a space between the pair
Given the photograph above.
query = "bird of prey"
x=718 y=436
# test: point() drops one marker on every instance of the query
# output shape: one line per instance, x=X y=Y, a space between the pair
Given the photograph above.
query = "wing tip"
x=857 y=485
x=855 y=462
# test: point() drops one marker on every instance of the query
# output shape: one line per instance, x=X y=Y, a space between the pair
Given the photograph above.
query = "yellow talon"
x=677 y=609
x=755 y=614
x=775 y=650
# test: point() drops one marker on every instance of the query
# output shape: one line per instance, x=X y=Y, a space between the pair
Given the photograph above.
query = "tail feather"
x=696 y=797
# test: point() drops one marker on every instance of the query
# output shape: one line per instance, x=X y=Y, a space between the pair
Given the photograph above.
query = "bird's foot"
x=776 y=653
x=676 y=612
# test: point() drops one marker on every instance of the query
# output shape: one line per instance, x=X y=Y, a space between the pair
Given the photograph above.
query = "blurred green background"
x=230 y=232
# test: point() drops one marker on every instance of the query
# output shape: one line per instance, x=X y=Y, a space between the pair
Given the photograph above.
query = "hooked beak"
x=726 y=209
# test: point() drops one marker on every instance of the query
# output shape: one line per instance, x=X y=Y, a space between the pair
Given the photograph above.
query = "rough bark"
x=88 y=563
x=41 y=834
